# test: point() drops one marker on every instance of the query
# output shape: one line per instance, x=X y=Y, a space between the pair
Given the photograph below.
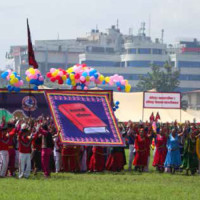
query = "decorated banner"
x=162 y=100
x=84 y=118
x=30 y=103
x=23 y=105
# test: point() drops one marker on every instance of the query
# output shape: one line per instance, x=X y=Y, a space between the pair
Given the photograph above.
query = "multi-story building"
x=114 y=53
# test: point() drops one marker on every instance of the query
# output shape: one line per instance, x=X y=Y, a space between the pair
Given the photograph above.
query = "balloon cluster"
x=116 y=106
x=59 y=75
x=120 y=82
x=34 y=77
x=14 y=79
x=81 y=76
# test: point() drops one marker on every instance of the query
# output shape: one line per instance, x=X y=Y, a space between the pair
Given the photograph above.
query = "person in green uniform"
x=190 y=161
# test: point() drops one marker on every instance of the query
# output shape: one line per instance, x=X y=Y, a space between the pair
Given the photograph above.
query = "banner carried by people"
x=27 y=103
x=162 y=100
x=30 y=103
x=84 y=118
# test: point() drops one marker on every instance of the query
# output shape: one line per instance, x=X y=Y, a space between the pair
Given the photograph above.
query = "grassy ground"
x=124 y=185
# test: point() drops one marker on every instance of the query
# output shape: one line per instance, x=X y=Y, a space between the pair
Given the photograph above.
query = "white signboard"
x=162 y=100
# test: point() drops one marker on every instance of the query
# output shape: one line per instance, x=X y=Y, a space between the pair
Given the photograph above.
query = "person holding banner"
x=47 y=147
x=24 y=138
x=11 y=148
x=4 y=156
x=70 y=158
x=97 y=160
x=131 y=132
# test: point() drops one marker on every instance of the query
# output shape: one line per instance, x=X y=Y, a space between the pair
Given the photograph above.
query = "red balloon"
x=58 y=77
x=74 y=88
x=77 y=76
x=52 y=79
x=60 y=81
x=118 y=88
x=49 y=74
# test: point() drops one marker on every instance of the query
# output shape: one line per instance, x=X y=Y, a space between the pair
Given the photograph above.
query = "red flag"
x=31 y=55
x=151 y=118
x=157 y=116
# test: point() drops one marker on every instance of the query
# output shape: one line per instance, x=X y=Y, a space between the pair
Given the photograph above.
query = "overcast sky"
x=72 y=18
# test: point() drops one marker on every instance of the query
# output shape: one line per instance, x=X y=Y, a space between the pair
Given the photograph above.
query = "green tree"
x=163 y=79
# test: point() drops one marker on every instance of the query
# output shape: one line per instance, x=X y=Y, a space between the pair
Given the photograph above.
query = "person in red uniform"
x=36 y=153
x=141 y=156
x=4 y=156
x=47 y=149
x=97 y=160
x=161 y=150
x=70 y=158
x=116 y=159
x=24 y=138
x=11 y=148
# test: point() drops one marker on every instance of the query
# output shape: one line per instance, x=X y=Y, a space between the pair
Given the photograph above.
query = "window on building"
x=144 y=51
x=189 y=64
x=138 y=63
x=131 y=51
x=157 y=51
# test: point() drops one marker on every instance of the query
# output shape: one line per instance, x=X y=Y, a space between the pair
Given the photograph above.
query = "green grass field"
x=124 y=185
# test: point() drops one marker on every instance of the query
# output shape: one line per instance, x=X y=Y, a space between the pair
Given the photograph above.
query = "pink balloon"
x=31 y=76
x=8 y=77
x=85 y=88
x=37 y=71
x=17 y=84
x=60 y=73
x=41 y=78
x=87 y=83
x=35 y=76
x=123 y=82
x=52 y=70
x=21 y=82
x=111 y=82
x=120 y=78
x=92 y=78
x=82 y=78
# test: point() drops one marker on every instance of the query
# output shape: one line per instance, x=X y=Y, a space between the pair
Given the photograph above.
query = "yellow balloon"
x=87 y=78
x=64 y=77
x=70 y=70
x=128 y=88
x=107 y=79
x=32 y=71
x=11 y=81
x=73 y=83
x=12 y=76
x=72 y=76
x=101 y=78
x=27 y=79
x=15 y=80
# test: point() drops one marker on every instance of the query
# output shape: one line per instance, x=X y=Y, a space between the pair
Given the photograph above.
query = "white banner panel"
x=162 y=100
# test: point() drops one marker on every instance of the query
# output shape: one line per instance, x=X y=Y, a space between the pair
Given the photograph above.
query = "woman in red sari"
x=161 y=150
x=142 y=153
x=97 y=160
x=70 y=158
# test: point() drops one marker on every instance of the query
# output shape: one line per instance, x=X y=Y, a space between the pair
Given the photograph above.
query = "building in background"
x=112 y=52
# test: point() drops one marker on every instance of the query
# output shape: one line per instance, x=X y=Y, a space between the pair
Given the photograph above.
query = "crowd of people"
x=174 y=146
x=33 y=145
